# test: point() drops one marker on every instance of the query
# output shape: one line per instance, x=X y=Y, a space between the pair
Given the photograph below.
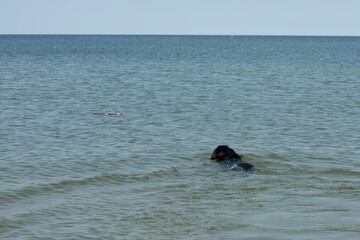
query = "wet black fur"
x=229 y=158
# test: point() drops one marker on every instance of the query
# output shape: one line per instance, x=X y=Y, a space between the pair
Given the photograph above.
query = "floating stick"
x=109 y=114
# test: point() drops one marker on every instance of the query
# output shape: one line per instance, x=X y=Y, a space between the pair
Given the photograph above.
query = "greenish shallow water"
x=290 y=105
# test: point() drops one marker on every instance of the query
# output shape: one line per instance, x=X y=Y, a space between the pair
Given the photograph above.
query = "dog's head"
x=223 y=152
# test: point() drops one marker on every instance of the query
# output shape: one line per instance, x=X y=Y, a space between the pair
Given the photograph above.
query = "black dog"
x=229 y=158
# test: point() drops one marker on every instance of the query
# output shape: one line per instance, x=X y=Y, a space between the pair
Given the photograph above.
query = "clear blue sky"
x=225 y=17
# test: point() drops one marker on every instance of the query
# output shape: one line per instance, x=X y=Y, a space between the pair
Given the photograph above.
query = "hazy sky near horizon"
x=219 y=17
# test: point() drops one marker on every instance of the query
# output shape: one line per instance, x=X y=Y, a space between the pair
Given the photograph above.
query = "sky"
x=193 y=17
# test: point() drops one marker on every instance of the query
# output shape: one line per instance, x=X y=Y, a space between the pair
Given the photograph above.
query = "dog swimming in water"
x=229 y=158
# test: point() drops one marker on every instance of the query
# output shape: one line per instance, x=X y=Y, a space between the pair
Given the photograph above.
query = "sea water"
x=289 y=105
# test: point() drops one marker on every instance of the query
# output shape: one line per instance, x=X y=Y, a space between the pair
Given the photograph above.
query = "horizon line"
x=156 y=34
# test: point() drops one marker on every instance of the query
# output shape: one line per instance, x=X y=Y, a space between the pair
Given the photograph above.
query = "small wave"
x=339 y=172
x=61 y=186
x=12 y=196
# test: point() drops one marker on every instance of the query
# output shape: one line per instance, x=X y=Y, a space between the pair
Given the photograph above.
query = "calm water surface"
x=290 y=105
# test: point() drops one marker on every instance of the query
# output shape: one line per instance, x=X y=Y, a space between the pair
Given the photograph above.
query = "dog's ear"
x=220 y=152
x=214 y=155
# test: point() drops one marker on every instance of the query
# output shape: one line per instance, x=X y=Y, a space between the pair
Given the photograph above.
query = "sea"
x=289 y=104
